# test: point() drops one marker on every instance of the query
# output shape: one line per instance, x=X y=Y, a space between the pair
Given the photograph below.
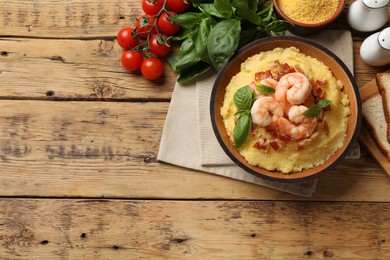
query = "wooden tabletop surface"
x=79 y=178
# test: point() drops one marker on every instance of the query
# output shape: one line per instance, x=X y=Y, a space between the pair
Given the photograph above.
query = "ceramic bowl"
x=339 y=70
x=305 y=29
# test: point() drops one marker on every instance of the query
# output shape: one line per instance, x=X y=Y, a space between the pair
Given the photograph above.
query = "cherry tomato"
x=143 y=25
x=159 y=45
x=165 y=26
x=131 y=60
x=178 y=6
x=125 y=38
x=152 y=68
x=152 y=7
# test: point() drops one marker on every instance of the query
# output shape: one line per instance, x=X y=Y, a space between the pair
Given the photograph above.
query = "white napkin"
x=188 y=139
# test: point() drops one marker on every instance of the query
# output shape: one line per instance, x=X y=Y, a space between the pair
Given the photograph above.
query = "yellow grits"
x=288 y=159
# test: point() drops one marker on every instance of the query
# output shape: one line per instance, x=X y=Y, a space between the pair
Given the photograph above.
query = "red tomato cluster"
x=150 y=37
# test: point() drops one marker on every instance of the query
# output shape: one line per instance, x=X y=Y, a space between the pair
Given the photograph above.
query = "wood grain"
x=78 y=19
x=67 y=19
x=107 y=229
x=90 y=70
x=73 y=69
x=108 y=149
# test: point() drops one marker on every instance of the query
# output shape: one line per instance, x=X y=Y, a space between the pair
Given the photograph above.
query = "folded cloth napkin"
x=188 y=139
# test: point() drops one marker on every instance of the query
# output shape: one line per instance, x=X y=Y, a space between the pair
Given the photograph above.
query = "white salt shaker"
x=368 y=15
x=375 y=50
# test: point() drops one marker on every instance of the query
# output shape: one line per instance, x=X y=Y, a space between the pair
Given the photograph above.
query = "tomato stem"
x=144 y=46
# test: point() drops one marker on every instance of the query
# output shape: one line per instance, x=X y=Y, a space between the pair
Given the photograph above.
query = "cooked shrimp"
x=266 y=111
x=293 y=87
x=267 y=82
x=298 y=126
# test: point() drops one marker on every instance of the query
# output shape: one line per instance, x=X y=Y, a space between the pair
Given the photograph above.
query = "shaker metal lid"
x=384 y=38
x=376 y=3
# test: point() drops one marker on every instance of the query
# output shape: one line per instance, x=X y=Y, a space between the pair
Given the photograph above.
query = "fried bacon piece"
x=263 y=75
x=318 y=88
x=278 y=70
x=276 y=144
x=262 y=144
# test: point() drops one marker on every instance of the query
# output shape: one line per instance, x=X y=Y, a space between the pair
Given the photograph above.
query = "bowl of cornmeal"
x=309 y=16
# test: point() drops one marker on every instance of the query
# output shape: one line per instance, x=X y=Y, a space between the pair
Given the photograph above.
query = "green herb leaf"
x=324 y=103
x=224 y=8
x=242 y=130
x=253 y=4
x=201 y=38
x=211 y=10
x=186 y=32
x=243 y=10
x=195 y=3
x=191 y=73
x=315 y=110
x=185 y=58
x=223 y=42
x=242 y=113
x=186 y=20
x=243 y=98
x=263 y=89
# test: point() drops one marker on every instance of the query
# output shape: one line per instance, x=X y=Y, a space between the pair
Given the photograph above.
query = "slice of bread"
x=383 y=83
x=374 y=116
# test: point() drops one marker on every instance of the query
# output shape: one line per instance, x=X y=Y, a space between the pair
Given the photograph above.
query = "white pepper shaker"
x=375 y=50
x=368 y=15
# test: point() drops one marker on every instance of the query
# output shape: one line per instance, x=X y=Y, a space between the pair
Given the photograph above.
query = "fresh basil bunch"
x=243 y=100
x=211 y=36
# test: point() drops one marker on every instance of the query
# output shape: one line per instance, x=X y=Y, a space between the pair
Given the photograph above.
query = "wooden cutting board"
x=365 y=137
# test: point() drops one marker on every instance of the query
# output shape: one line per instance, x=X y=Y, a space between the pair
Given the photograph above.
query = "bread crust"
x=386 y=103
x=371 y=128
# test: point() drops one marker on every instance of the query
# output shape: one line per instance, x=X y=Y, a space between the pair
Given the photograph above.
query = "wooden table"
x=79 y=177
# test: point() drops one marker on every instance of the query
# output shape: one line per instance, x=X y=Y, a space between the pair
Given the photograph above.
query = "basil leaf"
x=223 y=42
x=187 y=45
x=186 y=57
x=253 y=4
x=201 y=37
x=278 y=26
x=242 y=113
x=224 y=8
x=184 y=35
x=242 y=130
x=243 y=11
x=195 y=3
x=187 y=75
x=315 y=110
x=263 y=89
x=324 y=103
x=210 y=10
x=243 y=98
x=186 y=20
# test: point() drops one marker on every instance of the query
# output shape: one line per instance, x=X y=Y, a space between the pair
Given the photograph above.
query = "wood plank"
x=67 y=19
x=108 y=149
x=107 y=229
x=76 y=18
x=73 y=69
x=90 y=70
